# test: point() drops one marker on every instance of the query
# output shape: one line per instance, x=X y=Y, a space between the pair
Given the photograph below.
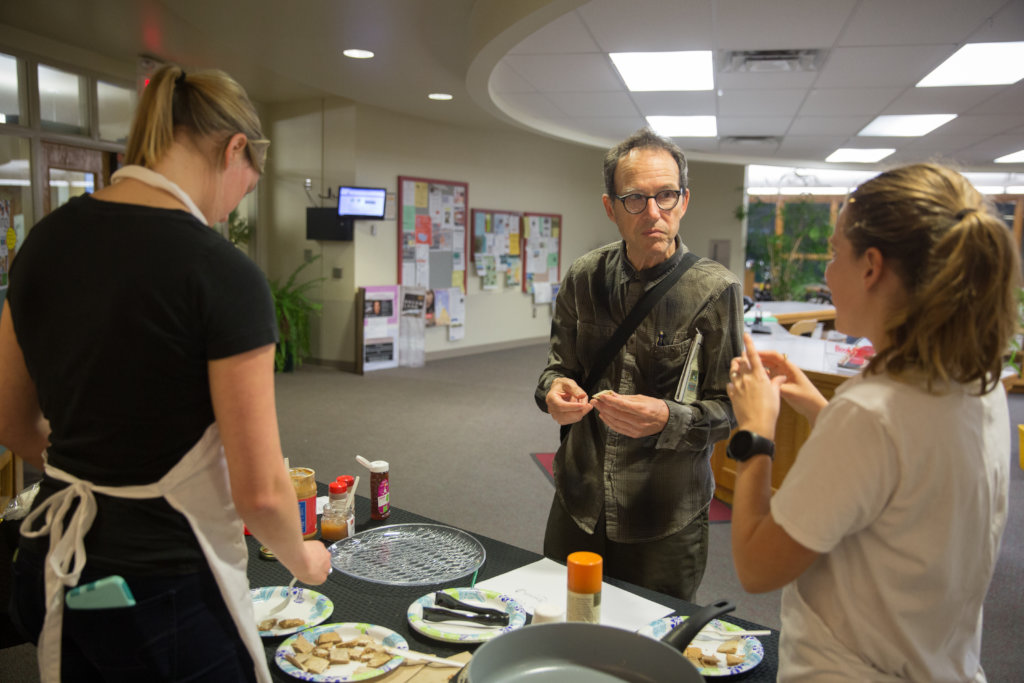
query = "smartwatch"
x=745 y=444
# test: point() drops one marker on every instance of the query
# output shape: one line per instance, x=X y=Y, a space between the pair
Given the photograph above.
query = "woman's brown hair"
x=960 y=268
x=207 y=105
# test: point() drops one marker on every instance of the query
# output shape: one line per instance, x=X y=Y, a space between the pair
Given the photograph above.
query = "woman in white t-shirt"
x=886 y=531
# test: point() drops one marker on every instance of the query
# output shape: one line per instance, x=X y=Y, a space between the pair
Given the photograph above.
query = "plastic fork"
x=287 y=599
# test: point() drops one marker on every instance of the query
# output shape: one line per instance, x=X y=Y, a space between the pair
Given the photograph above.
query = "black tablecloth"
x=356 y=600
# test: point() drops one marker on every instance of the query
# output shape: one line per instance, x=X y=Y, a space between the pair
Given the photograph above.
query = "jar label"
x=307 y=515
x=383 y=497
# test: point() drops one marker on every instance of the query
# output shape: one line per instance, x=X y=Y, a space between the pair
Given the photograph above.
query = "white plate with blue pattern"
x=342 y=673
x=312 y=607
x=750 y=648
x=457 y=632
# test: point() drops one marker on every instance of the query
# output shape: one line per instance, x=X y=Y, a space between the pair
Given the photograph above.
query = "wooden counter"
x=791 y=429
x=788 y=312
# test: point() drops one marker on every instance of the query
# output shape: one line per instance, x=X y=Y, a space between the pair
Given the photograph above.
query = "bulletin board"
x=542 y=249
x=497 y=248
x=432 y=233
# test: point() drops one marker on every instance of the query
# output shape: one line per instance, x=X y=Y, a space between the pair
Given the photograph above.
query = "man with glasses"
x=633 y=478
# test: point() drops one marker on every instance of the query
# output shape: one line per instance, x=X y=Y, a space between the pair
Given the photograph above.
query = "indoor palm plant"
x=293 y=308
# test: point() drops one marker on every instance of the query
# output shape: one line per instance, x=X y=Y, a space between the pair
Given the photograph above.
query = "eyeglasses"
x=637 y=203
x=256 y=150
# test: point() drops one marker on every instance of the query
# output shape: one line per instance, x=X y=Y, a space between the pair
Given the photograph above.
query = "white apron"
x=198 y=487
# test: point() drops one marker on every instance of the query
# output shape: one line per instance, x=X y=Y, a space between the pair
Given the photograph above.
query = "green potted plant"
x=293 y=308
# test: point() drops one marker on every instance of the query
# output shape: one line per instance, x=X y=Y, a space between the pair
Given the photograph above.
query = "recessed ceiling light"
x=1015 y=189
x=441 y=96
x=859 y=156
x=990 y=189
x=684 y=126
x=979 y=64
x=358 y=54
x=1015 y=158
x=908 y=126
x=660 y=71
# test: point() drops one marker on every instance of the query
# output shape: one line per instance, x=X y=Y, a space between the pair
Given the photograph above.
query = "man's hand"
x=567 y=402
x=632 y=416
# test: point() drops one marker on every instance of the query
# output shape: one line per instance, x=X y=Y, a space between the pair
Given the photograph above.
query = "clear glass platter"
x=408 y=554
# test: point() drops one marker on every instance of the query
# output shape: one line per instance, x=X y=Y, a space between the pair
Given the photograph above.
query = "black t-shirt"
x=117 y=309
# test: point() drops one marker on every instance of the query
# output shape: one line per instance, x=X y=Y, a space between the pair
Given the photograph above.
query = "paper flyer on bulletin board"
x=380 y=327
x=432 y=234
x=542 y=244
x=496 y=248
x=8 y=244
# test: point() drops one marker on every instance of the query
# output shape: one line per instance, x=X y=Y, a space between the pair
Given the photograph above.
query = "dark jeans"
x=178 y=630
x=673 y=565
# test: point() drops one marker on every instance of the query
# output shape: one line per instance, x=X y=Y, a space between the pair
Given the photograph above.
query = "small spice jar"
x=583 y=602
x=380 y=487
x=304 y=482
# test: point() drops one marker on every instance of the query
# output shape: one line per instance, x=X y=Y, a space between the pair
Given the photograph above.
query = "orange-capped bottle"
x=583 y=603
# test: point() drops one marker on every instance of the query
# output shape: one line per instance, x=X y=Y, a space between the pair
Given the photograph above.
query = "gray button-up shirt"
x=653 y=486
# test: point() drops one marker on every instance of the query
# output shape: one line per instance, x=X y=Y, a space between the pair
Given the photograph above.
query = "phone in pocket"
x=106 y=593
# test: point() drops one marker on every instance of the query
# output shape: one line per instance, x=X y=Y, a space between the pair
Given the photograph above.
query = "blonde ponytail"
x=959 y=265
x=206 y=105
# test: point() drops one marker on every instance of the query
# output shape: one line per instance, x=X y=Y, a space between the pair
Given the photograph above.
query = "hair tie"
x=962 y=213
x=180 y=79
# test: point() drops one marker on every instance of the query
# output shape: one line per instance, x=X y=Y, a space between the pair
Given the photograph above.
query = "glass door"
x=69 y=172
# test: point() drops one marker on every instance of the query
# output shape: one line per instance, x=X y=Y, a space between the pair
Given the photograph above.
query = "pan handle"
x=681 y=635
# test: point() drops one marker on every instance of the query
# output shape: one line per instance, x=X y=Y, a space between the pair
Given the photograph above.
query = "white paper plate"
x=464 y=633
x=750 y=647
x=339 y=673
x=313 y=607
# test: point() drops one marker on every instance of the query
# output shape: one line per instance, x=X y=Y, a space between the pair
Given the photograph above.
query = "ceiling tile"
x=676 y=103
x=612 y=128
x=906 y=22
x=752 y=125
x=1006 y=25
x=848 y=101
x=828 y=125
x=941 y=100
x=504 y=79
x=974 y=124
x=531 y=105
x=895 y=65
x=1009 y=101
x=567 y=34
x=603 y=104
x=651 y=25
x=812 y=147
x=745 y=25
x=581 y=72
x=760 y=102
x=765 y=81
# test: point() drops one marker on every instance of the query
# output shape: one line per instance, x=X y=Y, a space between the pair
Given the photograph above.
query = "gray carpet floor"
x=458 y=434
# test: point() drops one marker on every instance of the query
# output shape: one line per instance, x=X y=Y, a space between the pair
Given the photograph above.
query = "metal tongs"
x=477 y=614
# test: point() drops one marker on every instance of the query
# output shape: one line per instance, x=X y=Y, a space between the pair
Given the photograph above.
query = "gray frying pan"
x=577 y=652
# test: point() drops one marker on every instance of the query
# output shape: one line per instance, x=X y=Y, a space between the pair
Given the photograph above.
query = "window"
x=15 y=201
x=116 y=107
x=62 y=101
x=10 y=90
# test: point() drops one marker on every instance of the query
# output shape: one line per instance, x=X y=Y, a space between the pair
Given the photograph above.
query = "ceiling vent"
x=752 y=140
x=770 y=61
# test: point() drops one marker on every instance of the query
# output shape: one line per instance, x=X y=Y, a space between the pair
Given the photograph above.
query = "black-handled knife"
x=442 y=599
x=438 y=614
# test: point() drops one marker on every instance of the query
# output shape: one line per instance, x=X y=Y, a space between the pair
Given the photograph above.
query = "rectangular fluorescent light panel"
x=906 y=126
x=1015 y=158
x=662 y=71
x=859 y=156
x=979 y=64
x=684 y=126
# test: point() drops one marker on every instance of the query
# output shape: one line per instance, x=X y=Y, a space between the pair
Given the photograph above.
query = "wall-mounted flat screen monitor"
x=361 y=202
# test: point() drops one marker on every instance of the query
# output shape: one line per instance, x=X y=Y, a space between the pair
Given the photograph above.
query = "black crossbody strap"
x=640 y=310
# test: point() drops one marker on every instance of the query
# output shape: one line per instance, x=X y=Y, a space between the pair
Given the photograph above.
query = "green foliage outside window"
x=781 y=261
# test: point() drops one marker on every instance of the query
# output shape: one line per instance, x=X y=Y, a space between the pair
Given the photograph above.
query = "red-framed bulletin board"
x=432 y=232
x=542 y=249
x=496 y=247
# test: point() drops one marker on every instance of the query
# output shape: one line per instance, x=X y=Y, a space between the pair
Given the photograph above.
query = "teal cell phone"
x=106 y=593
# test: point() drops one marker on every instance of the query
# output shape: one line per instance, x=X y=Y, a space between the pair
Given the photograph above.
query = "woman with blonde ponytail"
x=886 y=530
x=136 y=350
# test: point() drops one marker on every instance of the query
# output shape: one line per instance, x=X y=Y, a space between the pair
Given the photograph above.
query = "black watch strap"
x=746 y=444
